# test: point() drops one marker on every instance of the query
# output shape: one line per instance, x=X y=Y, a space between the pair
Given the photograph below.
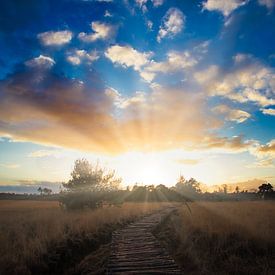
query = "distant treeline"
x=92 y=186
x=14 y=196
x=150 y=193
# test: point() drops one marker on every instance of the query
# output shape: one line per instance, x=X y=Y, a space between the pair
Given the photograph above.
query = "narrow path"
x=135 y=250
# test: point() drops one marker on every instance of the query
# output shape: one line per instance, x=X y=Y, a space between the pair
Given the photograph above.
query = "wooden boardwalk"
x=135 y=250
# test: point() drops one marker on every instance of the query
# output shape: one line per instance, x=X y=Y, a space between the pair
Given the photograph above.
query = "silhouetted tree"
x=225 y=188
x=89 y=186
x=265 y=188
x=86 y=176
x=189 y=188
x=40 y=190
x=47 y=191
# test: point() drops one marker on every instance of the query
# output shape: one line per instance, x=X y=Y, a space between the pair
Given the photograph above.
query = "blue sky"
x=187 y=86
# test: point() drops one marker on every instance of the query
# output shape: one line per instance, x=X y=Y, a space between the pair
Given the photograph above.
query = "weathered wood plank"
x=134 y=249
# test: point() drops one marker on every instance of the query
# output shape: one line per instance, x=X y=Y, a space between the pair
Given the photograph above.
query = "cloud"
x=269 y=4
x=224 y=6
x=268 y=148
x=127 y=56
x=149 y=24
x=124 y=102
x=247 y=81
x=265 y=153
x=235 y=144
x=52 y=38
x=157 y=3
x=42 y=62
x=107 y=14
x=172 y=24
x=77 y=56
x=54 y=110
x=101 y=31
x=236 y=115
x=147 y=76
x=10 y=165
x=269 y=111
x=263 y=163
x=176 y=61
x=142 y=4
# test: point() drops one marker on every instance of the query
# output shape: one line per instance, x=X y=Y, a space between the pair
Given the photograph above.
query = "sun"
x=145 y=168
x=150 y=172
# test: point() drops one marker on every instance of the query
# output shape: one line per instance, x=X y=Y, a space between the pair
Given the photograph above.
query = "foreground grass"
x=222 y=237
x=37 y=237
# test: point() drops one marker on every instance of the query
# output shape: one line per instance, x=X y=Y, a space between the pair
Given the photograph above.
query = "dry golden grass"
x=29 y=229
x=248 y=219
x=223 y=237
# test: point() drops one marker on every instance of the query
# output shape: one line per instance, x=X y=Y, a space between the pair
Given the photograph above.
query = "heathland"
x=38 y=237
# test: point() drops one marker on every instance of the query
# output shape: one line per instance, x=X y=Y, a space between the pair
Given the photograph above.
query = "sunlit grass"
x=29 y=228
x=223 y=237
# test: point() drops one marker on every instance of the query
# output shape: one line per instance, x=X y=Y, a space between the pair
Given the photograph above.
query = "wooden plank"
x=134 y=249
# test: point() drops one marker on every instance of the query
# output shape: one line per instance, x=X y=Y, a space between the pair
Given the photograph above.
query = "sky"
x=154 y=89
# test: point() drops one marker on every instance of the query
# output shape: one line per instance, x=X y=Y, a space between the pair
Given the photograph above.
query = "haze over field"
x=151 y=88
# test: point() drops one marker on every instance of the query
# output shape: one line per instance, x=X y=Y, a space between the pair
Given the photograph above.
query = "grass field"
x=222 y=237
x=38 y=237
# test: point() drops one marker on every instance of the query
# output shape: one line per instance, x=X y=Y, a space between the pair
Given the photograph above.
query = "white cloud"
x=55 y=38
x=264 y=151
x=269 y=4
x=208 y=75
x=147 y=76
x=107 y=14
x=176 y=61
x=247 y=81
x=125 y=102
x=149 y=24
x=81 y=55
x=235 y=115
x=223 y=6
x=42 y=61
x=157 y=3
x=172 y=24
x=142 y=4
x=137 y=99
x=269 y=111
x=127 y=56
x=75 y=60
x=101 y=31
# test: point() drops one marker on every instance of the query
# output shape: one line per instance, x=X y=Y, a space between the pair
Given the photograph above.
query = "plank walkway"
x=135 y=250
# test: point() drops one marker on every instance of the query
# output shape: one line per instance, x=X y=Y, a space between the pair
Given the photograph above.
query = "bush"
x=89 y=186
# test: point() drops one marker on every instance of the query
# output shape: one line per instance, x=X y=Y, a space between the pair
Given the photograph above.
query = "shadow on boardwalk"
x=135 y=250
